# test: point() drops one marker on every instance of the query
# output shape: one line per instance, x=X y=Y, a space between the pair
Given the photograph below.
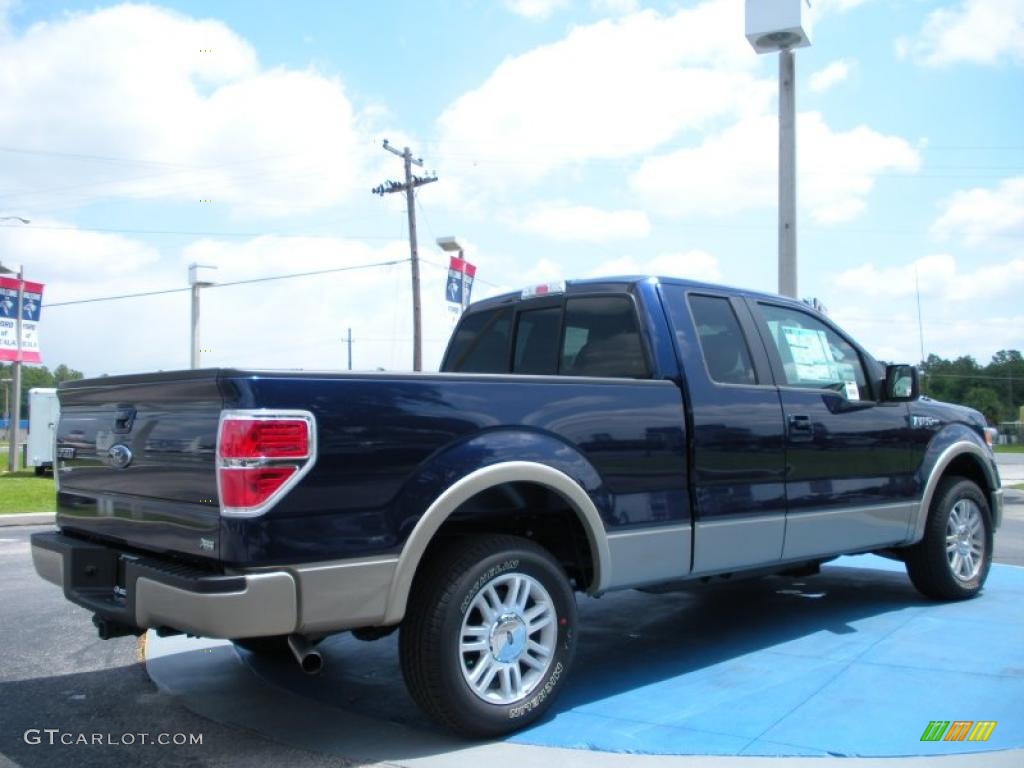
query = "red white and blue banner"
x=460 y=273
x=30 y=310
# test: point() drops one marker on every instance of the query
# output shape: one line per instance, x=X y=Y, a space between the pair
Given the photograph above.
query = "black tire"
x=442 y=599
x=274 y=645
x=928 y=565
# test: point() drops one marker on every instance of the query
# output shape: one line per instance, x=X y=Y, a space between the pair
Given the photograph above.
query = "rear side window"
x=537 y=341
x=721 y=341
x=602 y=338
x=481 y=343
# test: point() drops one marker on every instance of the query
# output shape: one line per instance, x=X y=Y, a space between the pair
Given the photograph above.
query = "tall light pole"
x=782 y=25
x=12 y=428
x=197 y=281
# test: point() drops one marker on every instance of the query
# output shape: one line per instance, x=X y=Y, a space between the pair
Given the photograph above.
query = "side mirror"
x=901 y=383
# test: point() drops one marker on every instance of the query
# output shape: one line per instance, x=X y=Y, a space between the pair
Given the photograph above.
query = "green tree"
x=985 y=400
x=33 y=376
x=63 y=373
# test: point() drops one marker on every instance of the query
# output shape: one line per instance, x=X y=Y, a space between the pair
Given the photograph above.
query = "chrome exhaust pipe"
x=309 y=658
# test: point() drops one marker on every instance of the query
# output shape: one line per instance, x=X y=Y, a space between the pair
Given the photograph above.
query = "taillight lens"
x=248 y=487
x=260 y=456
x=264 y=439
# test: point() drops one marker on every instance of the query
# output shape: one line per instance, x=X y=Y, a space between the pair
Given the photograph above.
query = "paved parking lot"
x=844 y=663
x=56 y=674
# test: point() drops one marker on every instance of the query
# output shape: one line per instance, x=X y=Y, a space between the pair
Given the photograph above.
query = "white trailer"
x=43 y=414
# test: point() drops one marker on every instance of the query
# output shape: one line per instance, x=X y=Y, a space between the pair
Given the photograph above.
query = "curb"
x=28 y=518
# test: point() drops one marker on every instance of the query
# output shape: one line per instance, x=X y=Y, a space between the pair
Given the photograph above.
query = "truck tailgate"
x=136 y=460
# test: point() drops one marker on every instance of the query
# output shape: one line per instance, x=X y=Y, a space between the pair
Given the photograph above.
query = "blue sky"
x=571 y=139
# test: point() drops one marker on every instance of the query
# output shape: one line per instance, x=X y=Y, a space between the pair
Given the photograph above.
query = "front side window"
x=481 y=343
x=721 y=341
x=602 y=338
x=813 y=355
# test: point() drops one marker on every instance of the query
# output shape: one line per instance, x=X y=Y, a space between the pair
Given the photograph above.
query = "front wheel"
x=952 y=561
x=489 y=635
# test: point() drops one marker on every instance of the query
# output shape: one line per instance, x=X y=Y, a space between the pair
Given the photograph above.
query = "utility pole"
x=15 y=406
x=388 y=187
x=15 y=423
x=197 y=281
x=787 y=175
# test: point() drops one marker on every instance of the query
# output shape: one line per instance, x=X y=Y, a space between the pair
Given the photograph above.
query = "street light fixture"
x=782 y=25
x=12 y=428
x=451 y=245
x=197 y=279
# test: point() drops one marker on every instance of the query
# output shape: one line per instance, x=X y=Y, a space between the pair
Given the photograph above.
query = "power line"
x=970 y=376
x=192 y=233
x=230 y=283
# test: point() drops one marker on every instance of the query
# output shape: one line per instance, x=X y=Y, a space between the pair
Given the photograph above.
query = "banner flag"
x=31 y=309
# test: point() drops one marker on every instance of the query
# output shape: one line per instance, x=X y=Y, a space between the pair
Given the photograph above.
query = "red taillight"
x=260 y=456
x=247 y=487
x=264 y=439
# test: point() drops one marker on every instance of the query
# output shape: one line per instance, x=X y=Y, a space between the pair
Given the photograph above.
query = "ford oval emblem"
x=119 y=456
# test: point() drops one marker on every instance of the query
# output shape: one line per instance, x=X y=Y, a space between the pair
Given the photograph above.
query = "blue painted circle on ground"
x=850 y=662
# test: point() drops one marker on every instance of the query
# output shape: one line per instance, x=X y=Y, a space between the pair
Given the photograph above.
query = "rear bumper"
x=149 y=592
x=146 y=592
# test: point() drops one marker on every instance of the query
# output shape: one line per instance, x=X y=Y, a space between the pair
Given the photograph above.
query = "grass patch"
x=24 y=492
x=1012 y=448
x=1018 y=487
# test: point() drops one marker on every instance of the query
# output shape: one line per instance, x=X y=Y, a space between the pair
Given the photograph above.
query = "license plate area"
x=93 y=569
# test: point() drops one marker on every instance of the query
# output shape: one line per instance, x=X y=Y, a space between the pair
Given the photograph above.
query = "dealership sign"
x=460 y=278
x=30 y=311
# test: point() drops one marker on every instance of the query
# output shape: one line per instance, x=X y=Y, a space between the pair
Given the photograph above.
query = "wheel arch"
x=962 y=458
x=474 y=485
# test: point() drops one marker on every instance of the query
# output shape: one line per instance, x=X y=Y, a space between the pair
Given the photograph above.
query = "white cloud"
x=292 y=323
x=937 y=276
x=976 y=31
x=691 y=265
x=832 y=74
x=985 y=217
x=836 y=6
x=85 y=260
x=187 y=100
x=536 y=10
x=892 y=335
x=608 y=90
x=966 y=307
x=559 y=221
x=738 y=169
x=614 y=7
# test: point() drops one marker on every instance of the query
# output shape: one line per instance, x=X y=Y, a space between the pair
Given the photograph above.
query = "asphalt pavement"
x=55 y=674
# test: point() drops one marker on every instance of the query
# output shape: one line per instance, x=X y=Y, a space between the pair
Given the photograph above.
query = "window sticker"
x=852 y=391
x=812 y=356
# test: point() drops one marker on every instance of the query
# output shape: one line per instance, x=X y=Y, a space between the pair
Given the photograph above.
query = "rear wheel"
x=952 y=561
x=489 y=635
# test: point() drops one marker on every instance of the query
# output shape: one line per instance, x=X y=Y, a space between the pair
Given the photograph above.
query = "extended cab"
x=588 y=437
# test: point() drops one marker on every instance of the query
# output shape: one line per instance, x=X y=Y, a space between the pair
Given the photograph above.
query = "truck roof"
x=621 y=282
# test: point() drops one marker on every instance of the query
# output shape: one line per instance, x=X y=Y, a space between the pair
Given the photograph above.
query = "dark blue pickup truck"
x=582 y=437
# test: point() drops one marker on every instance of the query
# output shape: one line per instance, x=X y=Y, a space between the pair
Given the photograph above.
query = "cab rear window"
x=480 y=344
x=584 y=336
